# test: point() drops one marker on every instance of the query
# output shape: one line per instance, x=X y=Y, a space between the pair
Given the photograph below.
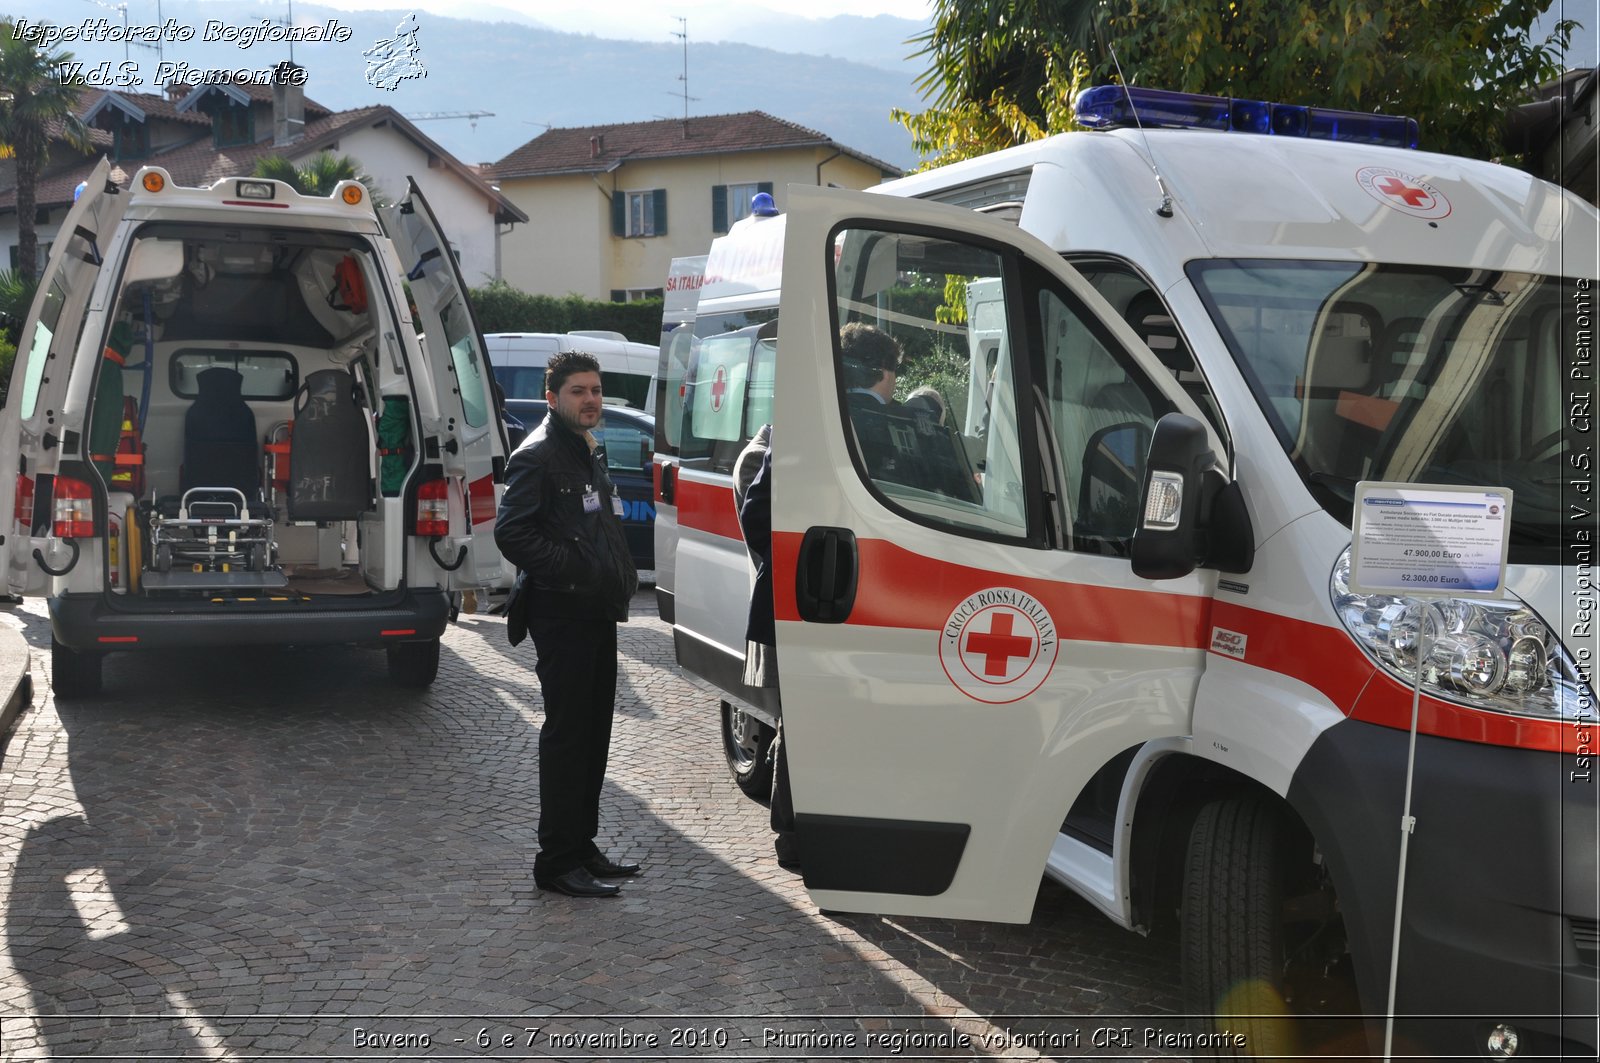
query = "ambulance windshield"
x=1407 y=373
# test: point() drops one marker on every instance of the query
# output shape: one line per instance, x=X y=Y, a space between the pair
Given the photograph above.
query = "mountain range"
x=529 y=78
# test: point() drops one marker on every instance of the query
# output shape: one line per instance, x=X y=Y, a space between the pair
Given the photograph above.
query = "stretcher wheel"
x=164 y=557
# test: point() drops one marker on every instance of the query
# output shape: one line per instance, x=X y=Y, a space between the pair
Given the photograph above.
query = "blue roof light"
x=1111 y=106
x=762 y=206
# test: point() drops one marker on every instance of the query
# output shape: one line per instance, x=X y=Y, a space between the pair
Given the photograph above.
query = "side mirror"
x=1190 y=513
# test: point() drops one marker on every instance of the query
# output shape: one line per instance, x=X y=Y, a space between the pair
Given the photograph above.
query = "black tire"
x=74 y=674
x=745 y=742
x=1232 y=928
x=414 y=664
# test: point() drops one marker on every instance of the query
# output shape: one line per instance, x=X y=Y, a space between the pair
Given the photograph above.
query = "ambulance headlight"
x=1494 y=655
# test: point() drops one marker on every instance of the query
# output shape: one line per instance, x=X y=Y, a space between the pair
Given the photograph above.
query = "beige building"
x=610 y=206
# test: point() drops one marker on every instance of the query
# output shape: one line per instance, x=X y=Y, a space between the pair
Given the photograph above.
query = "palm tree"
x=35 y=104
x=319 y=176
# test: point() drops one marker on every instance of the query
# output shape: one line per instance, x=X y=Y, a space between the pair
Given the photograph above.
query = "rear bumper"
x=88 y=623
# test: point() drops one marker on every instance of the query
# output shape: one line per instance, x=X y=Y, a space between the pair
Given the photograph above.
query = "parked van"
x=228 y=430
x=681 y=294
x=1002 y=656
x=627 y=369
x=716 y=392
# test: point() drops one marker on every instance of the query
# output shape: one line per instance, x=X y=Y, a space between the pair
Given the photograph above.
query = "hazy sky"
x=652 y=19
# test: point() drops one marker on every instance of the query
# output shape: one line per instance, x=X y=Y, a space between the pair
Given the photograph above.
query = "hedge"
x=502 y=308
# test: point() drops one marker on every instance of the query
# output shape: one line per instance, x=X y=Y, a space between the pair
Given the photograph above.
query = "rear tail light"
x=433 y=508
x=74 y=509
x=23 y=514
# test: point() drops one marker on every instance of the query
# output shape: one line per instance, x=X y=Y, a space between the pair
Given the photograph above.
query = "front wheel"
x=74 y=674
x=745 y=742
x=414 y=664
x=1263 y=943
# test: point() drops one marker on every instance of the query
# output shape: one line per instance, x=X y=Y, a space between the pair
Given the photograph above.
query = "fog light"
x=1503 y=1041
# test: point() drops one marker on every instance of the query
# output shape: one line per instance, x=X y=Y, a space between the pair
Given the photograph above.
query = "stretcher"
x=215 y=542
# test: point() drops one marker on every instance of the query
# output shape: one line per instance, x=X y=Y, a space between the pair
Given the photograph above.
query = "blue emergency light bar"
x=1111 y=106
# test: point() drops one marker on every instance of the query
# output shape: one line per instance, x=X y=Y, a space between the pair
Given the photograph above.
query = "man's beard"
x=571 y=423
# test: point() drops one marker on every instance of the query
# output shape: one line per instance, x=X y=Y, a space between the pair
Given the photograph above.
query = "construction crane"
x=471 y=116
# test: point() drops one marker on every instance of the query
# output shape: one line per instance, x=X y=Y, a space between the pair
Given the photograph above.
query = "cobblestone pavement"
x=266 y=854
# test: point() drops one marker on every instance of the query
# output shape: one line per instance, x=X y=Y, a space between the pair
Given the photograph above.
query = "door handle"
x=826 y=575
x=669 y=480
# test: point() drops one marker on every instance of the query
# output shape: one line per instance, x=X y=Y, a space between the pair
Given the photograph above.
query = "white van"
x=716 y=391
x=627 y=369
x=680 y=297
x=997 y=665
x=228 y=430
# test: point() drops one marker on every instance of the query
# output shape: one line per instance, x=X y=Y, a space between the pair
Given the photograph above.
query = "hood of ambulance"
x=1252 y=196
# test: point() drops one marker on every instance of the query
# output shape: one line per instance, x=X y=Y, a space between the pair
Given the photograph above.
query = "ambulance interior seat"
x=220 y=448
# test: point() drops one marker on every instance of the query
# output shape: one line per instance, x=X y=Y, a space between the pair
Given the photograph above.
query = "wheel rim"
x=743 y=739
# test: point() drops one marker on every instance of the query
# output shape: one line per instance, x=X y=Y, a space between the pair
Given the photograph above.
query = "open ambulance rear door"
x=472 y=441
x=962 y=643
x=30 y=424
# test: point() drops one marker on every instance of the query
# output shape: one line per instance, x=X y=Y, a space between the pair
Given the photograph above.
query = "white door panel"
x=474 y=439
x=45 y=354
x=997 y=650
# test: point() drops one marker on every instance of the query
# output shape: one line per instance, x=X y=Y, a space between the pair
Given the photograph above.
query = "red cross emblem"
x=1393 y=186
x=1403 y=192
x=999 y=645
x=719 y=388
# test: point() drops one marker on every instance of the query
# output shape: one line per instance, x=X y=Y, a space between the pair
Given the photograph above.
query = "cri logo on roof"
x=1405 y=193
x=998 y=645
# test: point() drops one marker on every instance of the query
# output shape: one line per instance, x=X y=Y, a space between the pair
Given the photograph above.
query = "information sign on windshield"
x=1430 y=539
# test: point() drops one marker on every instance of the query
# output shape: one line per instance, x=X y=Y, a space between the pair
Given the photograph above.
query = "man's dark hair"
x=563 y=364
x=868 y=353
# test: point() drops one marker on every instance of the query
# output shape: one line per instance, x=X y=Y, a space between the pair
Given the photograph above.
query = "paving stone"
x=277 y=834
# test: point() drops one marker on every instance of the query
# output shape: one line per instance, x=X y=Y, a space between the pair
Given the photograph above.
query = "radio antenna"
x=1165 y=210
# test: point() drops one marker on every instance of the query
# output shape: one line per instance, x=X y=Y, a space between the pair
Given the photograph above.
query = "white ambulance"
x=1002 y=658
x=680 y=296
x=227 y=430
x=716 y=391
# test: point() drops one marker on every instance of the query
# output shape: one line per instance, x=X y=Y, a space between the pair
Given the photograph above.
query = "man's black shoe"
x=578 y=883
x=601 y=866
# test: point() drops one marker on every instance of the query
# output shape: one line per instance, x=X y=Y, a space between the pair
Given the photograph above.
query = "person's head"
x=871 y=358
x=572 y=388
x=927 y=401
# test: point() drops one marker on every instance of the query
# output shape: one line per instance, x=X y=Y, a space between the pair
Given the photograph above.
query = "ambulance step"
x=213 y=581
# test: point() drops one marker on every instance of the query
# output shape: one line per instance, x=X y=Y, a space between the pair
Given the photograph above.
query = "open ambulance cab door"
x=471 y=440
x=962 y=642
x=31 y=424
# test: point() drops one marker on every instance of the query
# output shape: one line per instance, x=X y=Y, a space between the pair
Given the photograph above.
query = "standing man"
x=560 y=523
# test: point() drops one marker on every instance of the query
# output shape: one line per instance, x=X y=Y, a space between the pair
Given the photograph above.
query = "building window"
x=231 y=123
x=731 y=203
x=639 y=213
x=41 y=259
x=132 y=140
x=634 y=295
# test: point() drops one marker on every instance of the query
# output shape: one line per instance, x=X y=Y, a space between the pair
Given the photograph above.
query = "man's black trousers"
x=577 y=672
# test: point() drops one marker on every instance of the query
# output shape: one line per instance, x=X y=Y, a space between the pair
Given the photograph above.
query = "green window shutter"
x=660 y=196
x=719 y=208
x=619 y=214
x=618 y=295
x=764 y=186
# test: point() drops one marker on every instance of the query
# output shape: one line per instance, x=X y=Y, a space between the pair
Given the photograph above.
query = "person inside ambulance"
x=871 y=364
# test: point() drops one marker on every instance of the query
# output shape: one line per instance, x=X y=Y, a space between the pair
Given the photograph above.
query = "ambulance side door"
x=962 y=642
x=30 y=428
x=472 y=441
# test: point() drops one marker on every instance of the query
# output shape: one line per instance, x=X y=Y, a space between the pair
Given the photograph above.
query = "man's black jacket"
x=557 y=525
